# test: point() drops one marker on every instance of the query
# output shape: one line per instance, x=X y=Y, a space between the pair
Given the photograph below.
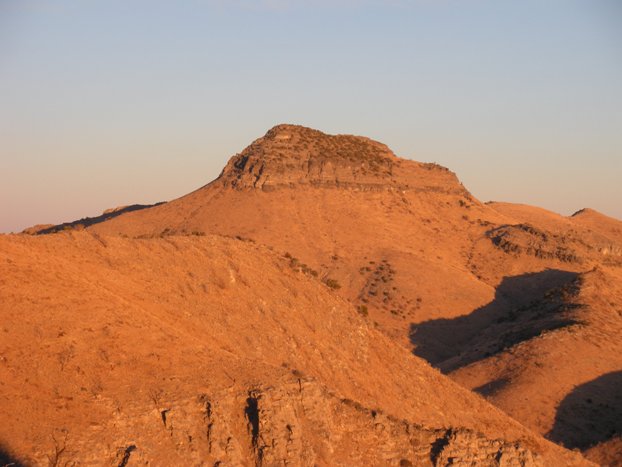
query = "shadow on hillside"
x=523 y=308
x=492 y=387
x=88 y=221
x=7 y=460
x=590 y=414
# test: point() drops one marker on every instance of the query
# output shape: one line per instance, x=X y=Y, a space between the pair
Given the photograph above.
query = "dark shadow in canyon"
x=524 y=307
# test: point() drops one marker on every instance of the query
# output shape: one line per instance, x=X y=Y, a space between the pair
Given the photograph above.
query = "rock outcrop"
x=296 y=423
x=526 y=239
x=291 y=155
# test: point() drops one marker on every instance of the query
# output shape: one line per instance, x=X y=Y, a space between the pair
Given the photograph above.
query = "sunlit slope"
x=189 y=348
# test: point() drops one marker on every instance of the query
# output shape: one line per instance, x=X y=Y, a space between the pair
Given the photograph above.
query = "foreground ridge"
x=219 y=362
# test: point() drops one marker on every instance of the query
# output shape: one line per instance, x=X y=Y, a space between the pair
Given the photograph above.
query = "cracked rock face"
x=290 y=156
x=293 y=423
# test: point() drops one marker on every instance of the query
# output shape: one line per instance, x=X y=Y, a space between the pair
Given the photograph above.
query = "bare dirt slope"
x=186 y=350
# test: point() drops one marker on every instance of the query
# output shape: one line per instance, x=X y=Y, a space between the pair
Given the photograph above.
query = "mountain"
x=347 y=208
x=482 y=291
x=184 y=350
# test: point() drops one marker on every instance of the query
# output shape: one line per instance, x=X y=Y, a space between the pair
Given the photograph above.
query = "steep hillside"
x=182 y=350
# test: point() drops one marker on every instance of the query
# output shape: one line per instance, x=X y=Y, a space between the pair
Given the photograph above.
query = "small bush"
x=332 y=283
x=362 y=309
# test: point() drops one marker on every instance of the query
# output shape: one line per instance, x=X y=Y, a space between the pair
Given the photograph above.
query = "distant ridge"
x=589 y=212
x=87 y=221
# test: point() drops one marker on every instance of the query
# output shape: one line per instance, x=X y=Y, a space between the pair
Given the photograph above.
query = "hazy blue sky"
x=104 y=103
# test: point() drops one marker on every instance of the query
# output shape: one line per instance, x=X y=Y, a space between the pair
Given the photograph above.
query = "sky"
x=109 y=103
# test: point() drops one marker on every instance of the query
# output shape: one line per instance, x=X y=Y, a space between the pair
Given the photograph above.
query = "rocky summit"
x=291 y=156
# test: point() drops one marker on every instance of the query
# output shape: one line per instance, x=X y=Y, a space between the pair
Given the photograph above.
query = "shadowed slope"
x=591 y=414
x=7 y=460
x=512 y=317
x=531 y=378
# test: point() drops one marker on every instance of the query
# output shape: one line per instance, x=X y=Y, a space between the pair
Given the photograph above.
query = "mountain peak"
x=290 y=155
x=333 y=145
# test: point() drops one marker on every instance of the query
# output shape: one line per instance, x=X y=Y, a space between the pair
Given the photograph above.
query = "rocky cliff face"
x=290 y=156
x=295 y=423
